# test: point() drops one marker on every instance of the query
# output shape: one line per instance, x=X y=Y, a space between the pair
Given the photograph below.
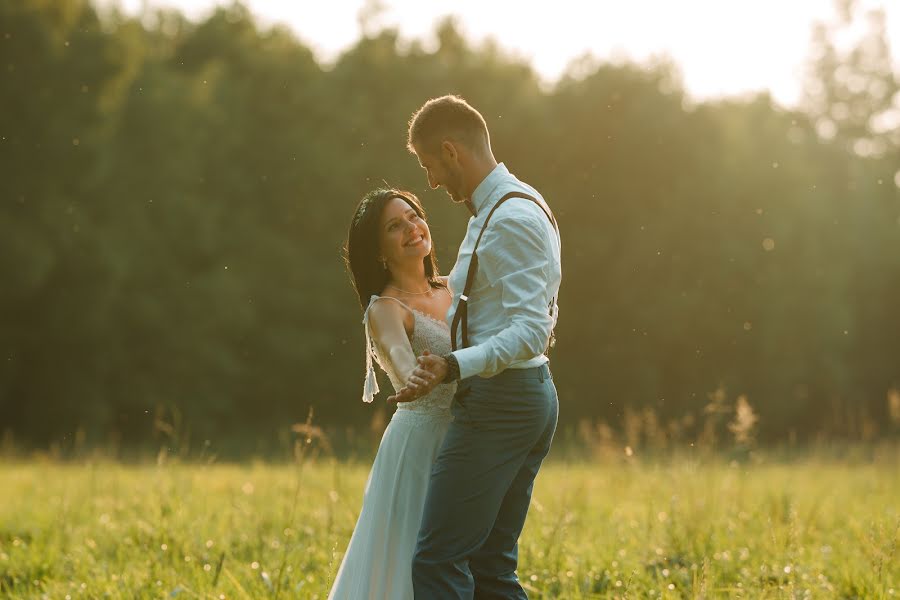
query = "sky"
x=723 y=47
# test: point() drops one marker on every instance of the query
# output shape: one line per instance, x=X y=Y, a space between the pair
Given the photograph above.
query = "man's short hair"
x=447 y=118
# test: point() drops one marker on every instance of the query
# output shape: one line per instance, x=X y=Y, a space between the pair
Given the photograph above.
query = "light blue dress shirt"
x=519 y=272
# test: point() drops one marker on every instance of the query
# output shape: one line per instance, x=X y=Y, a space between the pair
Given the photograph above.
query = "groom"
x=505 y=284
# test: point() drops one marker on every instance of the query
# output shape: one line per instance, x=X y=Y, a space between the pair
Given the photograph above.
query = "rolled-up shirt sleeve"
x=515 y=255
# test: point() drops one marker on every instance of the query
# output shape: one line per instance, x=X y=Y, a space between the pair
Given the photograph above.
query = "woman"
x=394 y=271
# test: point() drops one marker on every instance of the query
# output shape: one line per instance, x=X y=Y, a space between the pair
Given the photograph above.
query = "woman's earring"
x=383 y=263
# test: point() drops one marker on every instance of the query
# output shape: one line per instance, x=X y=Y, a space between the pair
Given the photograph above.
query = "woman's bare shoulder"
x=386 y=311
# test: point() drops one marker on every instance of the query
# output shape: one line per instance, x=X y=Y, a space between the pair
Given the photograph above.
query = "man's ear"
x=449 y=151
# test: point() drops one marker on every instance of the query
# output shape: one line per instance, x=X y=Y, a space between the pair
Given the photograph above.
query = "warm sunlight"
x=405 y=299
x=722 y=48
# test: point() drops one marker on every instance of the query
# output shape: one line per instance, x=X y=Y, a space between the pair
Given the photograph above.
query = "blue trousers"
x=481 y=486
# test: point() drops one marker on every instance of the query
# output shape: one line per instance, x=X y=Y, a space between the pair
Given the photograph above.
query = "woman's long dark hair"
x=361 y=253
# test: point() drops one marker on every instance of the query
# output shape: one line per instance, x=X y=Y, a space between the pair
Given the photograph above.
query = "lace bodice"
x=428 y=334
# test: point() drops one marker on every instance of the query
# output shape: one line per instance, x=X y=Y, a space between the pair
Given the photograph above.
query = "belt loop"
x=541 y=371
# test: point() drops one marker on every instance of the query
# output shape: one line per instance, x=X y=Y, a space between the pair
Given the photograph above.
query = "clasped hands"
x=429 y=373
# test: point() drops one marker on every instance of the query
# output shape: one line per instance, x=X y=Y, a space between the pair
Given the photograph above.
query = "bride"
x=394 y=272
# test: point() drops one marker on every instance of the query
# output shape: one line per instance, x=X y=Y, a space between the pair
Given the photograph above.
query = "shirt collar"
x=482 y=193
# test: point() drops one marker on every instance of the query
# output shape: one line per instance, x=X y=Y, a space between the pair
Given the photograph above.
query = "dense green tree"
x=175 y=196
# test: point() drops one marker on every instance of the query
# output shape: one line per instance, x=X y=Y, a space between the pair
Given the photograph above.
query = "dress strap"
x=370 y=386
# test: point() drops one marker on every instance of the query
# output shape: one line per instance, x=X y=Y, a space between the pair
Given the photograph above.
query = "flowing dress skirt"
x=378 y=561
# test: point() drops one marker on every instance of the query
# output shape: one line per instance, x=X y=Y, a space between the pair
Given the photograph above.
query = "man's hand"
x=430 y=372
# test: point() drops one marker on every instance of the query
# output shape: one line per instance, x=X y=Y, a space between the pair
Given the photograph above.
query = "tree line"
x=175 y=196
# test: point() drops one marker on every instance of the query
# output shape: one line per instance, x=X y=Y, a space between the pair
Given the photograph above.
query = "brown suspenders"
x=462 y=309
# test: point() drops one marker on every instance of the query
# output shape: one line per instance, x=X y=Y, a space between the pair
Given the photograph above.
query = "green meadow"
x=817 y=526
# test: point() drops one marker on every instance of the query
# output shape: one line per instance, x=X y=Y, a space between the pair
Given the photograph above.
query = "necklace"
x=425 y=293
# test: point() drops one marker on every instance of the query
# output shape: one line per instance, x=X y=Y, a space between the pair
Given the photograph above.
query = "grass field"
x=813 y=528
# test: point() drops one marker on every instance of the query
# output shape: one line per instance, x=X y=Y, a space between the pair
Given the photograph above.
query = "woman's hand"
x=429 y=374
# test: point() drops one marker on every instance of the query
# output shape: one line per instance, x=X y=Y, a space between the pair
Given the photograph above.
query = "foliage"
x=175 y=196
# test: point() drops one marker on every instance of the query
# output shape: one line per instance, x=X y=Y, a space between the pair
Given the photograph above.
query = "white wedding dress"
x=378 y=561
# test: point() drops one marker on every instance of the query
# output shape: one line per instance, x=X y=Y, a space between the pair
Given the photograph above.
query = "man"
x=502 y=318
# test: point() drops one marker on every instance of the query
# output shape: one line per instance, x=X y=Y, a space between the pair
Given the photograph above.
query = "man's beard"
x=454 y=190
x=455 y=196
